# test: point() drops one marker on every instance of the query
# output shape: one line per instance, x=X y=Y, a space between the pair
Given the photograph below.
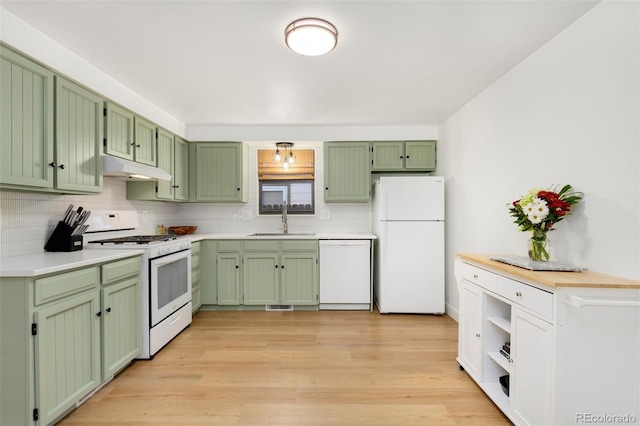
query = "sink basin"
x=280 y=234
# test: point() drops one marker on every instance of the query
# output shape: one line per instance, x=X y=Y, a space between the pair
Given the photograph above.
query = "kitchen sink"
x=280 y=234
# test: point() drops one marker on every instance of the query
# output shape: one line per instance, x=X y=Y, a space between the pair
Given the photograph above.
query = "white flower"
x=536 y=211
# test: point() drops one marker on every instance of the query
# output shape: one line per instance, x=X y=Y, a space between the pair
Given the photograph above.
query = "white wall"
x=567 y=114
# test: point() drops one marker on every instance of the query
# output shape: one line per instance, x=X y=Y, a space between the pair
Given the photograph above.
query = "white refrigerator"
x=408 y=216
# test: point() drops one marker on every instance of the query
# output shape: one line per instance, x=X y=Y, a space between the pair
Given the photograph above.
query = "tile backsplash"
x=27 y=219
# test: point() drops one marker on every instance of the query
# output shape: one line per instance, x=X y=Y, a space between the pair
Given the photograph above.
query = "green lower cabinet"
x=121 y=340
x=63 y=334
x=208 y=272
x=260 y=278
x=299 y=279
x=196 y=299
x=228 y=278
x=67 y=354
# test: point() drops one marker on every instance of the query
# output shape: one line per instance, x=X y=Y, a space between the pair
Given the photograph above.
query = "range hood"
x=115 y=166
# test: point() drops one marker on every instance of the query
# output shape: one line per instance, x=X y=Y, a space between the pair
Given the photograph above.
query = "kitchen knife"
x=67 y=213
x=77 y=217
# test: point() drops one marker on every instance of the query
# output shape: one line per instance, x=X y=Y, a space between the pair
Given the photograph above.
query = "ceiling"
x=225 y=62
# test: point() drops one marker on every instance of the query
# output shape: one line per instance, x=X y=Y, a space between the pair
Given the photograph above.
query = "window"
x=294 y=185
x=298 y=194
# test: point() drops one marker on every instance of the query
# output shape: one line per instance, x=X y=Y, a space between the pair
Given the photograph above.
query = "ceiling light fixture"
x=286 y=156
x=311 y=36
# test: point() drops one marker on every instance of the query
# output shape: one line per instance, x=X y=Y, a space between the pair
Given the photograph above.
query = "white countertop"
x=31 y=265
x=280 y=236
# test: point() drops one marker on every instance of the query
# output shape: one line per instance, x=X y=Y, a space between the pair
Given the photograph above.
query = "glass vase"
x=539 y=249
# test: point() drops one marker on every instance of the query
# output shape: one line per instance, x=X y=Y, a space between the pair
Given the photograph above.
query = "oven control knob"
x=184 y=246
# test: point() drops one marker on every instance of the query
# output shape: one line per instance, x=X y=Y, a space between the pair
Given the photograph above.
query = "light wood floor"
x=298 y=368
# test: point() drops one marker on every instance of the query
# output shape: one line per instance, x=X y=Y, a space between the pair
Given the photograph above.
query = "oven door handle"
x=170 y=258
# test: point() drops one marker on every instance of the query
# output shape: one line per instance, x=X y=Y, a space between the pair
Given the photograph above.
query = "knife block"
x=62 y=240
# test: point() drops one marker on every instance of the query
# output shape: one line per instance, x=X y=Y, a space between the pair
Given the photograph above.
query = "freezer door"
x=410 y=268
x=410 y=198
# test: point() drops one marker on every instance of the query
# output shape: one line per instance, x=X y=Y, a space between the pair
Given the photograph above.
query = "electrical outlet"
x=145 y=216
x=246 y=214
x=325 y=214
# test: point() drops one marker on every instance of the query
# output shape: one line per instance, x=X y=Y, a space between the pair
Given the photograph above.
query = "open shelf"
x=502 y=323
x=501 y=360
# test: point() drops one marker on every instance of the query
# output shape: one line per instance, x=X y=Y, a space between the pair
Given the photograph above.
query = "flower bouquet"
x=538 y=211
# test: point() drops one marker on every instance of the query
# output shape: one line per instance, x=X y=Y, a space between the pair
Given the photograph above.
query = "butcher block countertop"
x=586 y=279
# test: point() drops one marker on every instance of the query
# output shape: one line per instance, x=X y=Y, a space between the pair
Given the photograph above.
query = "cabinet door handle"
x=518 y=294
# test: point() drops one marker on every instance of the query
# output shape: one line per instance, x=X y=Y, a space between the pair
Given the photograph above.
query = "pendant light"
x=285 y=156
x=311 y=36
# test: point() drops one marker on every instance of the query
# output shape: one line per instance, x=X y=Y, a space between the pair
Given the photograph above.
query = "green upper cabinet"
x=180 y=175
x=118 y=131
x=129 y=136
x=173 y=159
x=347 y=174
x=145 y=140
x=166 y=156
x=79 y=126
x=404 y=156
x=218 y=172
x=26 y=122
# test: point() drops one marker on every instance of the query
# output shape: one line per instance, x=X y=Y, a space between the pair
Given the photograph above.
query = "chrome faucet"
x=285 y=227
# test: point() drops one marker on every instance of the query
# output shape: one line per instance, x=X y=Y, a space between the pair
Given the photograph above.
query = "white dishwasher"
x=345 y=274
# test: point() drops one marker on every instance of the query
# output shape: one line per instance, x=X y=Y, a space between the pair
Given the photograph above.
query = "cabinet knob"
x=326 y=188
x=475 y=276
x=276 y=266
x=407 y=157
x=401 y=157
x=238 y=189
x=510 y=360
x=108 y=309
x=477 y=334
x=282 y=266
x=52 y=164
x=237 y=267
x=518 y=294
x=99 y=314
x=137 y=145
x=132 y=144
x=61 y=166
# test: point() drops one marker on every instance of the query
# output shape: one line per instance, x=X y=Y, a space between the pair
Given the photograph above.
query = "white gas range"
x=165 y=274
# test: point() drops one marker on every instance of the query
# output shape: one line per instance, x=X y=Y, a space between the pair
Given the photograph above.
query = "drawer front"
x=300 y=245
x=195 y=247
x=63 y=285
x=195 y=261
x=260 y=245
x=479 y=276
x=195 y=277
x=115 y=271
x=229 y=246
x=539 y=301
